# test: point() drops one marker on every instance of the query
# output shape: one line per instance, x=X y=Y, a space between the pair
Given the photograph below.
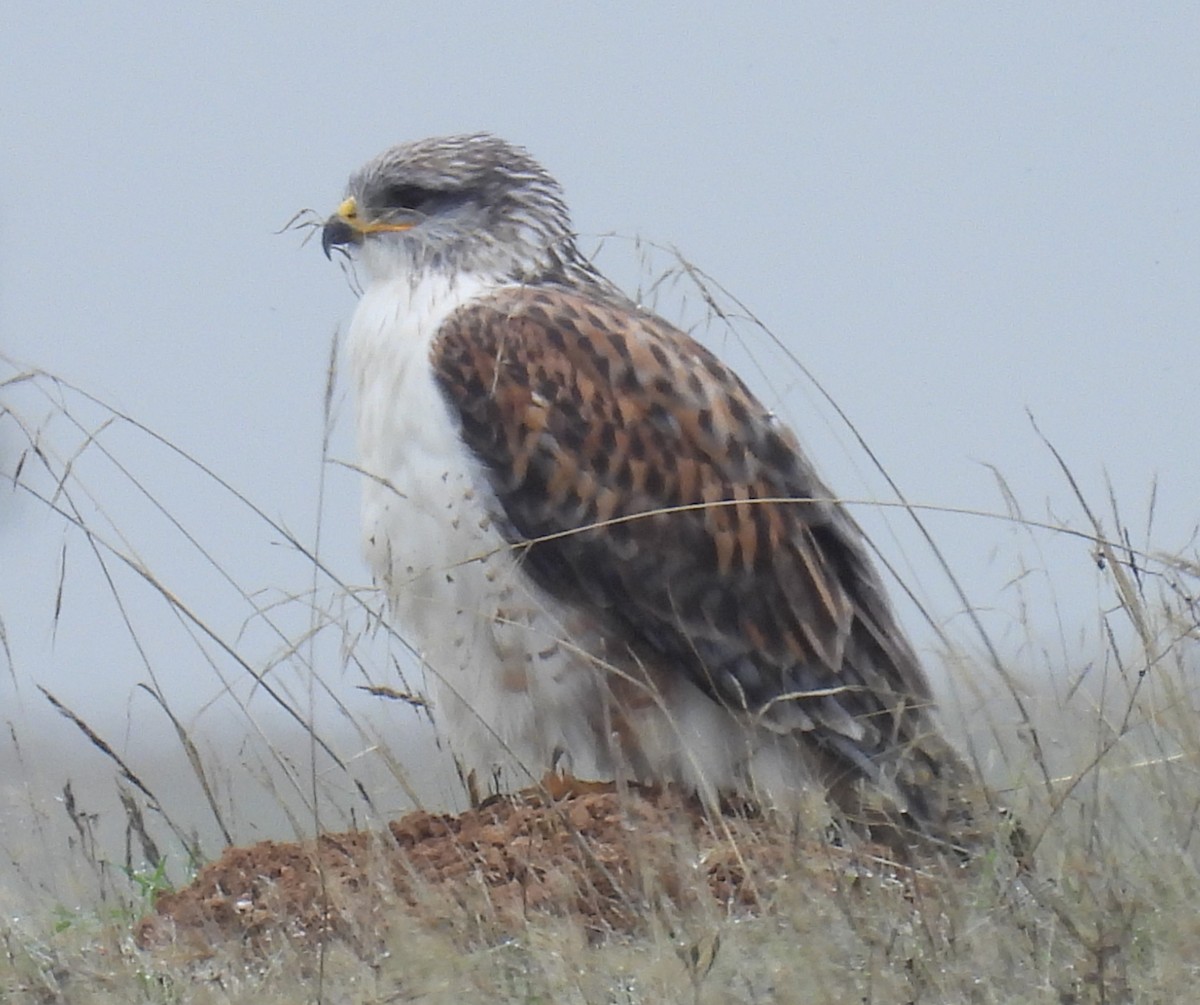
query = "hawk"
x=612 y=559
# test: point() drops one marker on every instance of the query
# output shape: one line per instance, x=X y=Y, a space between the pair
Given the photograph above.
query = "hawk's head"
x=470 y=203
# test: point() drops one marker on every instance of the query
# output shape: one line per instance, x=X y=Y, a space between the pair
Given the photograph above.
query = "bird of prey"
x=612 y=559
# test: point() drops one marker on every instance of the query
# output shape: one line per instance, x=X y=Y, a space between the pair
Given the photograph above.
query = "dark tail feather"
x=926 y=798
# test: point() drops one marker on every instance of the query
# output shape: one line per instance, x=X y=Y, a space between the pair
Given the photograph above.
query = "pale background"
x=951 y=214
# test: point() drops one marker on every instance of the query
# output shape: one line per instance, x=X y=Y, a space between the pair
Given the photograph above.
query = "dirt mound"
x=608 y=859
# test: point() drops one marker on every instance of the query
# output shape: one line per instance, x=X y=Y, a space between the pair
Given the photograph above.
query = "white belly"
x=507 y=691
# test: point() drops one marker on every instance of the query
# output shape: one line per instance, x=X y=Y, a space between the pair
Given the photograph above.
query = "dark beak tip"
x=336 y=234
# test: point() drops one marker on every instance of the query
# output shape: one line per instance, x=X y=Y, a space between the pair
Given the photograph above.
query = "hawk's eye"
x=406 y=196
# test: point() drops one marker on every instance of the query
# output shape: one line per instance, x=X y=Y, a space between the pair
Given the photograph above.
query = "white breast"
x=506 y=689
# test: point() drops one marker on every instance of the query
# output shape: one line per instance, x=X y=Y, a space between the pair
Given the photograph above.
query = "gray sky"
x=951 y=214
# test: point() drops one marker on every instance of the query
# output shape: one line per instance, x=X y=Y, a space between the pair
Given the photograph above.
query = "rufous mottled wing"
x=596 y=423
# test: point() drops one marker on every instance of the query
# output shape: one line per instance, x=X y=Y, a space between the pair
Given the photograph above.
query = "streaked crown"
x=470 y=202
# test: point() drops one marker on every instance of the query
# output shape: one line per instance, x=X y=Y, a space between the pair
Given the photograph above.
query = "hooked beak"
x=341 y=228
x=347 y=226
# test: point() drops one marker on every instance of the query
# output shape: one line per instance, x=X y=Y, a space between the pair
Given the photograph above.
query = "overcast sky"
x=953 y=215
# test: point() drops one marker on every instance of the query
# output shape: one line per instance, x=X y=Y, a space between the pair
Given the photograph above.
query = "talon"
x=564 y=786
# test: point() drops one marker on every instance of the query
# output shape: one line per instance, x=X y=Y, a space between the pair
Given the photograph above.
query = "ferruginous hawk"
x=563 y=498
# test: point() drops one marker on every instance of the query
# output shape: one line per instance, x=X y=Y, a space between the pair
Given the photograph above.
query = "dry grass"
x=1101 y=759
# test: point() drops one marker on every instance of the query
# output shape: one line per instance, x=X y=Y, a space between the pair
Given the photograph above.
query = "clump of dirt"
x=608 y=859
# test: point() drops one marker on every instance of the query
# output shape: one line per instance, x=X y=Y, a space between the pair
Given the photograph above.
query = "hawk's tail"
x=926 y=796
